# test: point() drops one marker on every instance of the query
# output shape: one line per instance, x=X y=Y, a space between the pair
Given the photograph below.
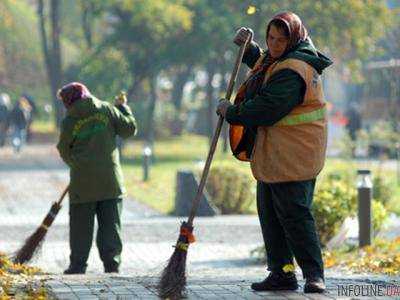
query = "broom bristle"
x=173 y=278
x=33 y=243
x=31 y=246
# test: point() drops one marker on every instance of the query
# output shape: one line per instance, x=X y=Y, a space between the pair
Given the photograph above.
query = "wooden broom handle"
x=60 y=200
x=232 y=80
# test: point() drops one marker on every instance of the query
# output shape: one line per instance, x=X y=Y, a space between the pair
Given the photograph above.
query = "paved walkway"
x=218 y=267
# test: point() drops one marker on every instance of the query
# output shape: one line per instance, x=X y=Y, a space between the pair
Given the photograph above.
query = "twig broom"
x=32 y=243
x=173 y=277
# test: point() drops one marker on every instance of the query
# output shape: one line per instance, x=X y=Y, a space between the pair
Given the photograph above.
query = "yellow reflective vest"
x=294 y=148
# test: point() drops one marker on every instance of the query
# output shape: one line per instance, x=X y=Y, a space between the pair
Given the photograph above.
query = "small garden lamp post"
x=364 y=187
x=147 y=152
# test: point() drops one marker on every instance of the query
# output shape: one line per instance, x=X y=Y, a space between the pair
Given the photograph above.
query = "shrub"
x=379 y=215
x=382 y=191
x=231 y=188
x=334 y=200
x=382 y=139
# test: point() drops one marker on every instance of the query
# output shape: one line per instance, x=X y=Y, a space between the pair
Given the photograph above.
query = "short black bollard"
x=146 y=162
x=364 y=186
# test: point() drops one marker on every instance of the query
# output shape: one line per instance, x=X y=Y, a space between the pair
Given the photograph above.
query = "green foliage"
x=105 y=74
x=145 y=31
x=346 y=145
x=133 y=40
x=21 y=65
x=379 y=215
x=334 y=200
x=382 y=190
x=382 y=138
x=348 y=30
x=232 y=190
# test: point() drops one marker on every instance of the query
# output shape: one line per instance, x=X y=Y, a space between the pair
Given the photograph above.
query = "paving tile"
x=69 y=296
x=88 y=297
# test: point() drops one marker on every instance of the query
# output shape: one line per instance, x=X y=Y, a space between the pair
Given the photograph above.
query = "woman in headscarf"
x=278 y=123
x=88 y=145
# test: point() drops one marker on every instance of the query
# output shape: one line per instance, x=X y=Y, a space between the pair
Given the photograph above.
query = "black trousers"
x=108 y=238
x=288 y=226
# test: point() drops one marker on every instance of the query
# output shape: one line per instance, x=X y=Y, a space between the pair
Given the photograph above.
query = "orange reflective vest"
x=293 y=149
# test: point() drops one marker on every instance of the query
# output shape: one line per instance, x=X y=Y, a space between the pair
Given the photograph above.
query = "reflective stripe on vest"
x=303 y=118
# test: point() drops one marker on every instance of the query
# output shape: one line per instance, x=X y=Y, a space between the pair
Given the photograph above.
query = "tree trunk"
x=177 y=95
x=57 y=73
x=151 y=108
x=394 y=94
x=45 y=47
x=87 y=9
x=52 y=55
x=211 y=69
x=135 y=91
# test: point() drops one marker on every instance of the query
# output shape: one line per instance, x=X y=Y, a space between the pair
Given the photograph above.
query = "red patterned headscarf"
x=294 y=27
x=296 y=33
x=73 y=92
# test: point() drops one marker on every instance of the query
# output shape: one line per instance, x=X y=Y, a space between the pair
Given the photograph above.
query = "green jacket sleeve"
x=65 y=144
x=124 y=121
x=252 y=54
x=283 y=91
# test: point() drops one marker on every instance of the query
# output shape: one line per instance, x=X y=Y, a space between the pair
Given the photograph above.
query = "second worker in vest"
x=278 y=123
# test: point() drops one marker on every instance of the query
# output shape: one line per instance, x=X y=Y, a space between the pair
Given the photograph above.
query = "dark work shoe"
x=75 y=270
x=277 y=281
x=314 y=285
x=111 y=269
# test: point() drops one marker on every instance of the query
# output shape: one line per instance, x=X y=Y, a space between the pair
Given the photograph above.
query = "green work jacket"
x=88 y=146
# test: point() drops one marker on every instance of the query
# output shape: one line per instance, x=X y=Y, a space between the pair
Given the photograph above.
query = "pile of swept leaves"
x=16 y=281
x=383 y=257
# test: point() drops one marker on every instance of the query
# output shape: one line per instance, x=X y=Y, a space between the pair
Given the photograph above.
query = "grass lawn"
x=169 y=156
x=44 y=131
x=187 y=151
x=44 y=126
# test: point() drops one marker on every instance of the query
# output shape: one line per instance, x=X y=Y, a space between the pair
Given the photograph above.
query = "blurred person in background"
x=33 y=114
x=280 y=122
x=19 y=119
x=353 y=125
x=4 y=117
x=87 y=145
